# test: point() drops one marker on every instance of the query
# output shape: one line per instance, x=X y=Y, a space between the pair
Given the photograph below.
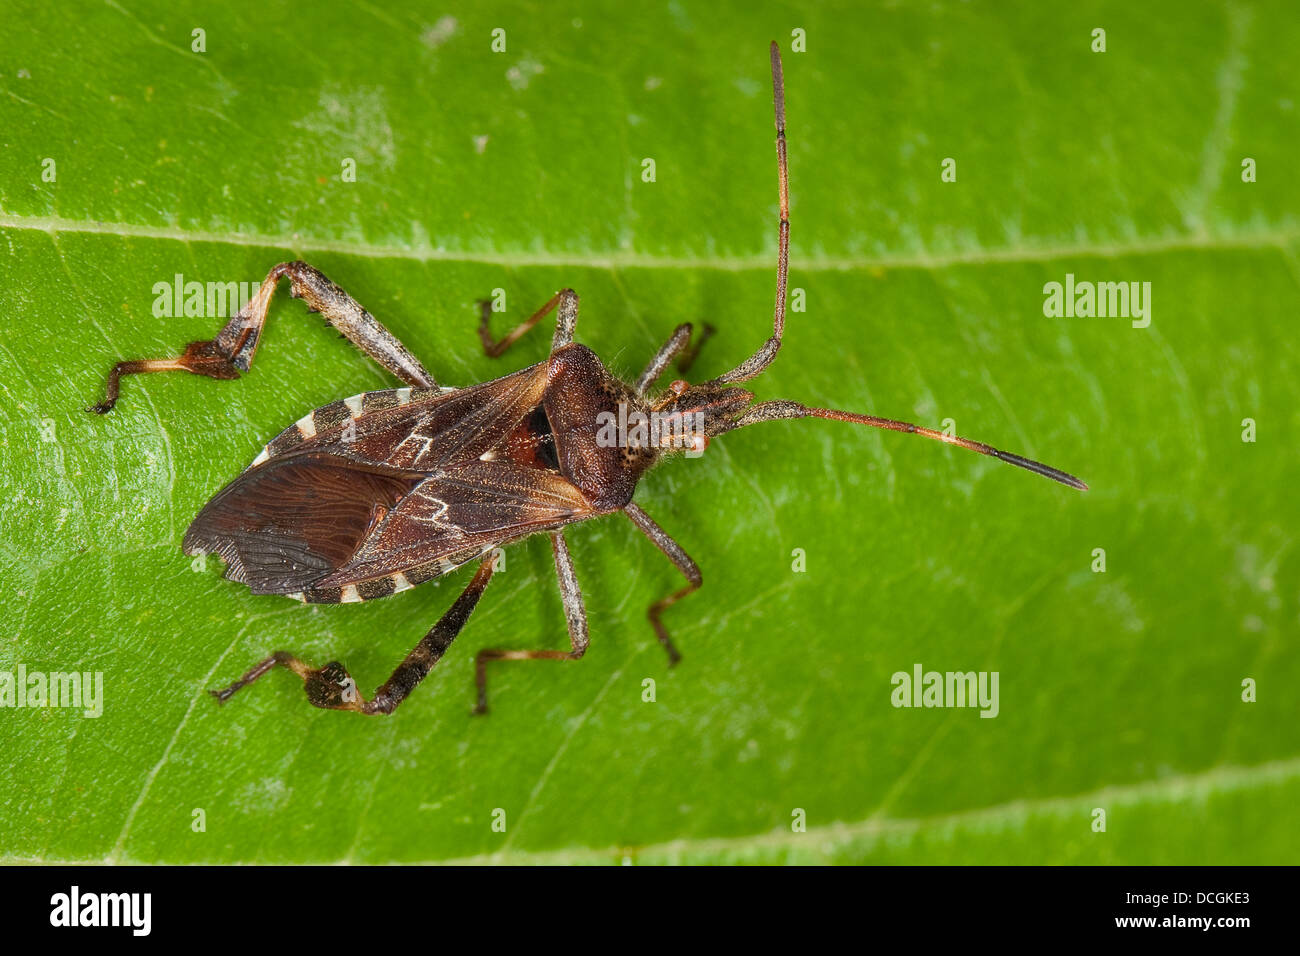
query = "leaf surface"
x=522 y=171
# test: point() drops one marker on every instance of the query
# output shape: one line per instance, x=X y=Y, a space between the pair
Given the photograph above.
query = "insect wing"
x=284 y=525
x=458 y=426
x=472 y=507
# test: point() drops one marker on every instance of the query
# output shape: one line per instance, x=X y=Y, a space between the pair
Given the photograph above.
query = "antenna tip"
x=778 y=87
x=1038 y=468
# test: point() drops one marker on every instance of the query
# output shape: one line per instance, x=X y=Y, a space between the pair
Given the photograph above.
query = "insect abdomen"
x=389 y=584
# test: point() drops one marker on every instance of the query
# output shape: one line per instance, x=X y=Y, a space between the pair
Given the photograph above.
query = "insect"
x=374 y=494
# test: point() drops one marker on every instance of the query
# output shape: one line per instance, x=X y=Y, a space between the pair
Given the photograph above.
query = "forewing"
x=475 y=505
x=439 y=432
x=357 y=490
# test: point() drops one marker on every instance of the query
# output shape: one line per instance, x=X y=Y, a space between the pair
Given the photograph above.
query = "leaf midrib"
x=1279 y=237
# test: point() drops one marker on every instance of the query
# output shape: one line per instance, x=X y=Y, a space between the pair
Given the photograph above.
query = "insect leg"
x=232 y=351
x=766 y=352
x=575 y=616
x=331 y=686
x=678 y=345
x=566 y=299
x=678 y=556
x=691 y=352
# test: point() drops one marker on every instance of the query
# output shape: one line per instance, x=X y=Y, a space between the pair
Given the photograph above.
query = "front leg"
x=333 y=688
x=678 y=346
x=566 y=300
x=232 y=351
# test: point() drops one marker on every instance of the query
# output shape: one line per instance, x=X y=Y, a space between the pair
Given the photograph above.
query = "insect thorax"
x=580 y=395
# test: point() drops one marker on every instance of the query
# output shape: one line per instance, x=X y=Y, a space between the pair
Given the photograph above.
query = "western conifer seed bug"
x=371 y=495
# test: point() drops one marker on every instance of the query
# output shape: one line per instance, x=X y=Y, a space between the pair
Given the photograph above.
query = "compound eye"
x=679 y=387
x=696 y=445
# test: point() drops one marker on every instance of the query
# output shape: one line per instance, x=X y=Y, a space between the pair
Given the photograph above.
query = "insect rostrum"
x=374 y=494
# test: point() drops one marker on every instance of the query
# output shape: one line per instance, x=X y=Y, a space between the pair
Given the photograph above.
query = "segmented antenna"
x=761 y=359
x=775 y=411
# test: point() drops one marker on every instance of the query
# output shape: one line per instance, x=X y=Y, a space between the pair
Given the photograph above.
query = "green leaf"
x=522 y=171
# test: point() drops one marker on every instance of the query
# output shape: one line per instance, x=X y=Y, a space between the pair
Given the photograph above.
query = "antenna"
x=756 y=363
x=775 y=411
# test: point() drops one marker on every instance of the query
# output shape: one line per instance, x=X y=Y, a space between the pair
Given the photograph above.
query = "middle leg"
x=575 y=616
x=678 y=556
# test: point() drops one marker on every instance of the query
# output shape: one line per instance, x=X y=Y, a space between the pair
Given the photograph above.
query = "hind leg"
x=232 y=351
x=333 y=688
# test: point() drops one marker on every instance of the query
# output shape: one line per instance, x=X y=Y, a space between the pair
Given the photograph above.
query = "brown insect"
x=374 y=494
